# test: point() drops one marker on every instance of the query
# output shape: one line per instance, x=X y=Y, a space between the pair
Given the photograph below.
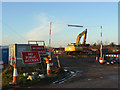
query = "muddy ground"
x=86 y=74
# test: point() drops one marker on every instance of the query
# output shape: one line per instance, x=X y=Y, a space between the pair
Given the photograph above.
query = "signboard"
x=49 y=49
x=41 y=49
x=31 y=57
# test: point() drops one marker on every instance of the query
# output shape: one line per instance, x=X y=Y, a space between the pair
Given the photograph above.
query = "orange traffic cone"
x=96 y=59
x=51 y=63
x=15 y=75
x=101 y=60
x=48 y=66
x=48 y=69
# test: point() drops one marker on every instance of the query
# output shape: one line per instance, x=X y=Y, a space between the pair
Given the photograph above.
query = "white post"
x=101 y=43
x=50 y=41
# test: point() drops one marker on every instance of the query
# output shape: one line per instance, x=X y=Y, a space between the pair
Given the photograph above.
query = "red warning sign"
x=31 y=57
x=40 y=49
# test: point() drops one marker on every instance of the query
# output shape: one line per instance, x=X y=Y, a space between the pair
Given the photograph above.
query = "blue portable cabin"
x=4 y=53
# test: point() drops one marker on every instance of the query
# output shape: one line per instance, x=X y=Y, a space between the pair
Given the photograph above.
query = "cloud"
x=42 y=31
x=42 y=18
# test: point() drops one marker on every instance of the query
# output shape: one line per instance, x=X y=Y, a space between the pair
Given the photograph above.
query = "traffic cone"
x=47 y=61
x=50 y=62
x=15 y=75
x=101 y=60
x=48 y=69
x=96 y=59
x=48 y=65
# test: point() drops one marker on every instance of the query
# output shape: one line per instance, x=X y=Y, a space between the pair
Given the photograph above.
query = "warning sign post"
x=31 y=57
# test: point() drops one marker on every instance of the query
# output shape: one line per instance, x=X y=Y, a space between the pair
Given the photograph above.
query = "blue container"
x=5 y=54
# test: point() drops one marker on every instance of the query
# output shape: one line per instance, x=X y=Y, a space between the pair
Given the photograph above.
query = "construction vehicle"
x=77 y=48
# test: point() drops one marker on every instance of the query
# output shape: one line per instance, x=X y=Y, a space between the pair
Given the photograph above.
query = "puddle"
x=61 y=82
x=72 y=72
x=65 y=70
x=69 y=76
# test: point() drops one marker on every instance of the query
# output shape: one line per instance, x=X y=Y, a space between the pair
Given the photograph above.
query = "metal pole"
x=58 y=62
x=101 y=43
x=50 y=41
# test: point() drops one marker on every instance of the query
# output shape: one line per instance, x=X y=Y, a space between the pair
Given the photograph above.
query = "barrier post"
x=101 y=57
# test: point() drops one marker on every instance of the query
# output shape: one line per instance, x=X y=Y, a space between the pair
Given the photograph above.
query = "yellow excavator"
x=76 y=48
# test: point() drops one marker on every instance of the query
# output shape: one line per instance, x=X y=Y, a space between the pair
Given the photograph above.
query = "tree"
x=94 y=44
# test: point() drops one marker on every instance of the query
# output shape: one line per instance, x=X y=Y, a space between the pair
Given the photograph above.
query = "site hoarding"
x=31 y=57
x=15 y=54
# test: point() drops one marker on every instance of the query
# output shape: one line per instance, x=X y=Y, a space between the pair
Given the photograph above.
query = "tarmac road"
x=87 y=74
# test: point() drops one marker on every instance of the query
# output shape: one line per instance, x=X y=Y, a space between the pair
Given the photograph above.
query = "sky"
x=23 y=21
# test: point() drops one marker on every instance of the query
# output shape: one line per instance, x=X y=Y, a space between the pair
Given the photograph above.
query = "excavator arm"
x=79 y=37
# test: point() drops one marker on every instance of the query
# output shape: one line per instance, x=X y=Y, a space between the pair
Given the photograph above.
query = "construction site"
x=79 y=64
x=74 y=66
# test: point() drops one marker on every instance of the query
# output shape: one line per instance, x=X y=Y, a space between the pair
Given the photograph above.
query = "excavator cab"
x=72 y=44
x=77 y=47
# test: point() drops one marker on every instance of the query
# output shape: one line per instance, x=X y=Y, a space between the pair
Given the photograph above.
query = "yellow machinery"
x=76 y=48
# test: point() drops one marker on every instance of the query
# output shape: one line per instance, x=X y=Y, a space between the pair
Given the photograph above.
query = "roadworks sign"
x=31 y=57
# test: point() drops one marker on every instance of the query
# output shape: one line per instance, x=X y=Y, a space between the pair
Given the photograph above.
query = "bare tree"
x=94 y=44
